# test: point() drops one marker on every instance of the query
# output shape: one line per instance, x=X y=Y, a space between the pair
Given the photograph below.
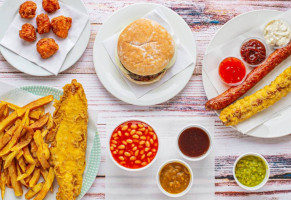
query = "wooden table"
x=204 y=18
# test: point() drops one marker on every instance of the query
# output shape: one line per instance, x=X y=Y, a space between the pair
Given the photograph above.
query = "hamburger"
x=145 y=51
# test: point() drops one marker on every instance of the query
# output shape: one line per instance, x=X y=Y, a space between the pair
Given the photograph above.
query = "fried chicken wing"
x=27 y=9
x=50 y=5
x=61 y=26
x=47 y=47
x=27 y=32
x=69 y=147
x=43 y=23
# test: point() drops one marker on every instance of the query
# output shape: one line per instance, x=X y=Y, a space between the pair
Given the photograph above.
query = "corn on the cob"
x=262 y=99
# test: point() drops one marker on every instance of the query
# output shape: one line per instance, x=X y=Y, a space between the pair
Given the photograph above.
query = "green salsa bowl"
x=251 y=171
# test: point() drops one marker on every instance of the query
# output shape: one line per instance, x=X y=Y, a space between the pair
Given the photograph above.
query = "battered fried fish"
x=69 y=147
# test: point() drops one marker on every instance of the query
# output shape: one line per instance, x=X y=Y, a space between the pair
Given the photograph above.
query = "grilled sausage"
x=257 y=74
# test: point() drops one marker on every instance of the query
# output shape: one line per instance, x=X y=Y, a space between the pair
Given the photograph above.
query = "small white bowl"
x=200 y=157
x=232 y=84
x=260 y=40
x=125 y=168
x=265 y=179
x=190 y=183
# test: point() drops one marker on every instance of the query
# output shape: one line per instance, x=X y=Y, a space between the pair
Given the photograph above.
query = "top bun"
x=145 y=47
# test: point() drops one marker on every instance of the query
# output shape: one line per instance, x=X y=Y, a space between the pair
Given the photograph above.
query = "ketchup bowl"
x=232 y=71
x=133 y=145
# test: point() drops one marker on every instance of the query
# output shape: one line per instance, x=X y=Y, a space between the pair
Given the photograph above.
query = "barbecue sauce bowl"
x=194 y=142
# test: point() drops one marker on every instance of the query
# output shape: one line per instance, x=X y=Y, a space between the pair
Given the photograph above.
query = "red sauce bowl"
x=232 y=71
x=133 y=145
x=253 y=51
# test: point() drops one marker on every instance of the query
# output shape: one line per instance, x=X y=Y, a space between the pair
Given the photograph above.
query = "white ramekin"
x=232 y=84
x=265 y=179
x=190 y=183
x=266 y=47
x=200 y=157
x=125 y=168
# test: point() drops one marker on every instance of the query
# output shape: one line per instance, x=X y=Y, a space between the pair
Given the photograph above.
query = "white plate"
x=8 y=11
x=109 y=75
x=230 y=30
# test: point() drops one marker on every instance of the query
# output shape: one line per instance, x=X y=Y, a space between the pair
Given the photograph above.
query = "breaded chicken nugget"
x=47 y=47
x=50 y=5
x=28 y=32
x=43 y=23
x=27 y=9
x=61 y=26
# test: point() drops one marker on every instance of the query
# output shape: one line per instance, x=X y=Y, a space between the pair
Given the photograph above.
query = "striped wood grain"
x=204 y=18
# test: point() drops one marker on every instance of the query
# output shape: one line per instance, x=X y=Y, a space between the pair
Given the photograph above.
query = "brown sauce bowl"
x=198 y=144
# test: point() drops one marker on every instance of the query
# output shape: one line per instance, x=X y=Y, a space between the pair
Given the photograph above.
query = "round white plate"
x=8 y=11
x=229 y=31
x=111 y=78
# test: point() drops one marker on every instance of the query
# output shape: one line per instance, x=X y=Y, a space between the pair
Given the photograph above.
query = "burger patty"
x=137 y=77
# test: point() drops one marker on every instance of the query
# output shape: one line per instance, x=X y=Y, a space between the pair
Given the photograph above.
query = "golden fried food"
x=43 y=23
x=22 y=148
x=27 y=9
x=50 y=5
x=47 y=47
x=27 y=33
x=69 y=147
x=15 y=183
x=257 y=102
x=61 y=26
x=47 y=185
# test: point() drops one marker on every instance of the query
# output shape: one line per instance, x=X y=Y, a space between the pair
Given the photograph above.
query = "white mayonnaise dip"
x=277 y=33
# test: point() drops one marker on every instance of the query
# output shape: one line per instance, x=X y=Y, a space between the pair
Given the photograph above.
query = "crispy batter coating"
x=69 y=147
x=27 y=33
x=43 y=23
x=47 y=47
x=50 y=5
x=27 y=9
x=61 y=26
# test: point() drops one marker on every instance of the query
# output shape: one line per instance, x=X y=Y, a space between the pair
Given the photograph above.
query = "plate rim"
x=204 y=75
x=44 y=72
x=96 y=137
x=136 y=101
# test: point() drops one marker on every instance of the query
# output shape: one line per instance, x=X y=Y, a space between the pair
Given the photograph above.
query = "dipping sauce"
x=193 y=142
x=134 y=144
x=232 y=70
x=253 y=52
x=174 y=177
x=277 y=33
x=250 y=170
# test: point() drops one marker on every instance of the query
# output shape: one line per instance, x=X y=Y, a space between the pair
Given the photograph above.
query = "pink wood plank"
x=204 y=18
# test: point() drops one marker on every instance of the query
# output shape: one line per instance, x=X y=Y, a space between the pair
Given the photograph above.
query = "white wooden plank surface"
x=204 y=18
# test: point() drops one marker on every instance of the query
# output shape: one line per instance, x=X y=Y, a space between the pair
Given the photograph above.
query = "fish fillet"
x=69 y=147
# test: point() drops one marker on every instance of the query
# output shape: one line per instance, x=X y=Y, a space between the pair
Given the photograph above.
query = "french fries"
x=14 y=182
x=2 y=184
x=34 y=190
x=47 y=185
x=24 y=154
x=41 y=122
